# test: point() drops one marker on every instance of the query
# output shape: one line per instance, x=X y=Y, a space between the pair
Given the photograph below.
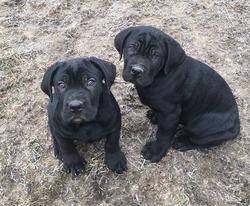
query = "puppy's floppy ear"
x=48 y=78
x=175 y=54
x=108 y=70
x=121 y=38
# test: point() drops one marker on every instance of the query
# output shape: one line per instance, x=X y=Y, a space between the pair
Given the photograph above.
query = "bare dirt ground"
x=35 y=33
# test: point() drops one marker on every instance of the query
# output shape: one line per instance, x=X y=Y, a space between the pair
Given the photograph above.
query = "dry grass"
x=36 y=33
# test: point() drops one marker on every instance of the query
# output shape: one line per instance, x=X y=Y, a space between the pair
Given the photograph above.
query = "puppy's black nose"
x=136 y=71
x=75 y=106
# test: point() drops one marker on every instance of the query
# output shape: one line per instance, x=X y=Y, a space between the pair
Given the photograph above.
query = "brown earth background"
x=34 y=34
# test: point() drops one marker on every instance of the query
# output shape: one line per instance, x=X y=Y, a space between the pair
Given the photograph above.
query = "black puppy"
x=179 y=90
x=83 y=108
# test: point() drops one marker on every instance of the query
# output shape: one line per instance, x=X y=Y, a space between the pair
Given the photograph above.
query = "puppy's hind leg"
x=183 y=143
x=57 y=150
x=151 y=115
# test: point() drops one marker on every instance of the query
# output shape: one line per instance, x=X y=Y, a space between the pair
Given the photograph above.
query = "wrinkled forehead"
x=147 y=39
x=77 y=68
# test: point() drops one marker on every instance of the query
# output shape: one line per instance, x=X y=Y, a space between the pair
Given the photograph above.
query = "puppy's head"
x=78 y=86
x=146 y=52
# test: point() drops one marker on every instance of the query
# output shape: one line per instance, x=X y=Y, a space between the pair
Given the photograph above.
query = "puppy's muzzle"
x=76 y=106
x=136 y=71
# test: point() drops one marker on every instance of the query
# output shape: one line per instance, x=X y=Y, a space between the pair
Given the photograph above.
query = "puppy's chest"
x=152 y=93
x=152 y=100
x=162 y=98
x=89 y=132
x=85 y=133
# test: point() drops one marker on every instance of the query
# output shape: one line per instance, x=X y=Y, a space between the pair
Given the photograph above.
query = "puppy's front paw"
x=116 y=162
x=152 y=116
x=154 y=151
x=74 y=164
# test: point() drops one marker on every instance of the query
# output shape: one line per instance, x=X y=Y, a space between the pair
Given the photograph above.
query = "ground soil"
x=35 y=34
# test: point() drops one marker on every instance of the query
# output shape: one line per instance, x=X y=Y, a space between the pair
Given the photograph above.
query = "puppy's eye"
x=136 y=45
x=154 y=54
x=91 y=82
x=61 y=85
x=133 y=47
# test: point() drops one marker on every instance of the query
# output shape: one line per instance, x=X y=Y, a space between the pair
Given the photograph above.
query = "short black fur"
x=83 y=108
x=179 y=90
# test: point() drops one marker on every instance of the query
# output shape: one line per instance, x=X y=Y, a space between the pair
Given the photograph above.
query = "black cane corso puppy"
x=179 y=90
x=83 y=108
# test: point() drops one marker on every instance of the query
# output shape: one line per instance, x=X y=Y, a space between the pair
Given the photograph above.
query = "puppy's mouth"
x=77 y=120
